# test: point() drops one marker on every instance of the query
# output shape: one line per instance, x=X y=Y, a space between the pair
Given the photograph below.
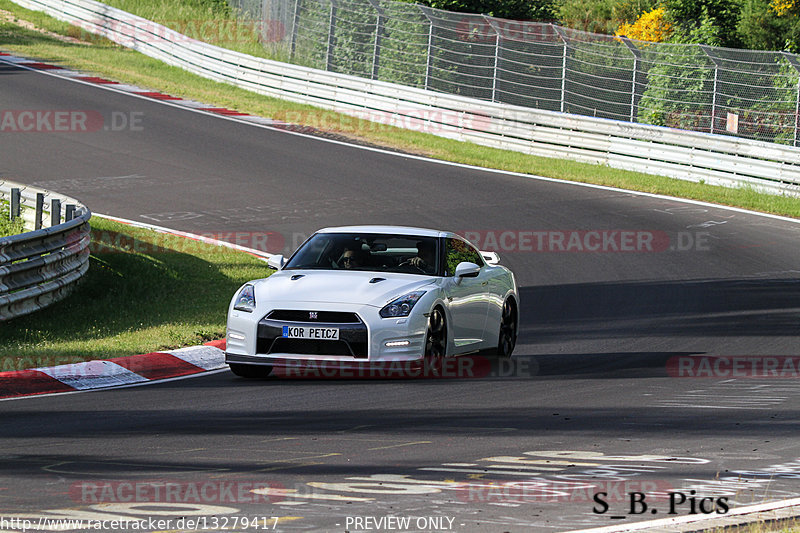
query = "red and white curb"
x=117 y=372
x=133 y=90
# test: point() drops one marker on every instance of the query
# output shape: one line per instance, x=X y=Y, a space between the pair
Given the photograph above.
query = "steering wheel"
x=408 y=263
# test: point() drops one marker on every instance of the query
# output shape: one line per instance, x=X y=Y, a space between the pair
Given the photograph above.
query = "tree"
x=507 y=9
x=770 y=25
x=711 y=22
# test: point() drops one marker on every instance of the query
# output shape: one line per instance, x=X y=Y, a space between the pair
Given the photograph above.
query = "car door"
x=467 y=297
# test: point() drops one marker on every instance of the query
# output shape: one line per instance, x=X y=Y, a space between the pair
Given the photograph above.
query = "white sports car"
x=371 y=295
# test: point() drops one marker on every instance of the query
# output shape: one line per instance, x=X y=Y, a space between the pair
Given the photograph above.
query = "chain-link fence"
x=747 y=93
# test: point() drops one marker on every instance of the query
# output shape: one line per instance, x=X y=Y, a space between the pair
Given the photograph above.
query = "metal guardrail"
x=40 y=267
x=693 y=156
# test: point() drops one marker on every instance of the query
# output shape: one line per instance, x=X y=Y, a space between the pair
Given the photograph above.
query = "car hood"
x=364 y=288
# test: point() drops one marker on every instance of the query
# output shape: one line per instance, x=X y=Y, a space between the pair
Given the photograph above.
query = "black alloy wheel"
x=436 y=337
x=508 y=330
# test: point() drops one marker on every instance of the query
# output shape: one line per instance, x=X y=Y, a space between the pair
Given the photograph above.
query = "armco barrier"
x=40 y=267
x=714 y=159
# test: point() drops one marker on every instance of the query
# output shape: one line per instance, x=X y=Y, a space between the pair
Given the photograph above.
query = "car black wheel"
x=436 y=337
x=508 y=330
x=250 y=371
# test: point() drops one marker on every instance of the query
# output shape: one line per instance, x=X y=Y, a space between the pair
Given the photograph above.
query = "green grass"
x=107 y=59
x=170 y=292
x=8 y=227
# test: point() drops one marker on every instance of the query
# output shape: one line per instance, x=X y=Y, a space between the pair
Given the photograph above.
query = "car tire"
x=250 y=371
x=436 y=334
x=507 y=338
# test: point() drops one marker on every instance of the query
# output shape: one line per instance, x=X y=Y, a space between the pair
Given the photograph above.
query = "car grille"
x=353 y=341
x=330 y=317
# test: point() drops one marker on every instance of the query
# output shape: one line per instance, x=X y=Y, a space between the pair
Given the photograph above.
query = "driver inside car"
x=353 y=258
x=426 y=257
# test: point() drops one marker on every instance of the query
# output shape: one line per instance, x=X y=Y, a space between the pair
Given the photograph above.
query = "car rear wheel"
x=508 y=329
x=250 y=371
x=436 y=336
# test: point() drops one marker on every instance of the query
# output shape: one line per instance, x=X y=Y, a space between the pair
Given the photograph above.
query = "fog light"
x=394 y=344
x=236 y=336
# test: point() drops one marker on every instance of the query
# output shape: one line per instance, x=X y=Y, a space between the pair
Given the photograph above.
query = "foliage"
x=770 y=25
x=651 y=26
x=678 y=90
x=7 y=226
x=710 y=22
x=508 y=9
x=761 y=28
x=600 y=16
x=782 y=7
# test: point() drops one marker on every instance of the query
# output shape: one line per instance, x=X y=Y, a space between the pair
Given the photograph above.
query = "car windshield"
x=410 y=254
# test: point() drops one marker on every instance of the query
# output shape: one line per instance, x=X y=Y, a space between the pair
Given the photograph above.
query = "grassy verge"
x=145 y=291
x=107 y=59
x=8 y=227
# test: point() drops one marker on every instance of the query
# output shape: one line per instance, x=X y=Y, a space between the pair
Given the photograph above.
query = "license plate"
x=306 y=332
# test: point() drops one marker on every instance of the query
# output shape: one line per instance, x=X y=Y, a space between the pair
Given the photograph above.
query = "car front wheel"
x=436 y=336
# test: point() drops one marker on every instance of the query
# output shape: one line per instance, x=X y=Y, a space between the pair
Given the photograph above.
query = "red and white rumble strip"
x=102 y=374
x=19 y=123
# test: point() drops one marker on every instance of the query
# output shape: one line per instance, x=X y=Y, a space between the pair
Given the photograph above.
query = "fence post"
x=55 y=212
x=634 y=78
x=331 y=30
x=496 y=55
x=793 y=61
x=707 y=51
x=295 y=23
x=562 y=35
x=428 y=61
x=376 y=53
x=69 y=212
x=16 y=203
x=37 y=221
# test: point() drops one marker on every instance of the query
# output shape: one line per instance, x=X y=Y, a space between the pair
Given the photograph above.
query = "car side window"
x=457 y=251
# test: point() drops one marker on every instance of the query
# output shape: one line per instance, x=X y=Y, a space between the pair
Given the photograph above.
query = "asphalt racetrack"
x=658 y=348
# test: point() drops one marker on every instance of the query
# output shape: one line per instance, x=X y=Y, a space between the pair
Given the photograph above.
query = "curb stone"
x=107 y=373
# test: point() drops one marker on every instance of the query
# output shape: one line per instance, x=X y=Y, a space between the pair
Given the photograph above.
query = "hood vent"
x=377 y=280
x=297 y=276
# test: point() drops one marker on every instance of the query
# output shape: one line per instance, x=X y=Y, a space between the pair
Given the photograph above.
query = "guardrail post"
x=37 y=221
x=16 y=203
x=331 y=31
x=69 y=212
x=55 y=212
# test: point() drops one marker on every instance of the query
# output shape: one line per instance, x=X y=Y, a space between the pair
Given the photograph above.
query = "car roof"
x=392 y=230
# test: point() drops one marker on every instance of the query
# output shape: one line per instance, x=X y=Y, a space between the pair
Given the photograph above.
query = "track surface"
x=588 y=398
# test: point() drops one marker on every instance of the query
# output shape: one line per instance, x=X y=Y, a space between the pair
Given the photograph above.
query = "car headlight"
x=246 y=299
x=401 y=306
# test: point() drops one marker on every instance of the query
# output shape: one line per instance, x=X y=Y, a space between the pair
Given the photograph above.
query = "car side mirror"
x=276 y=262
x=465 y=269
